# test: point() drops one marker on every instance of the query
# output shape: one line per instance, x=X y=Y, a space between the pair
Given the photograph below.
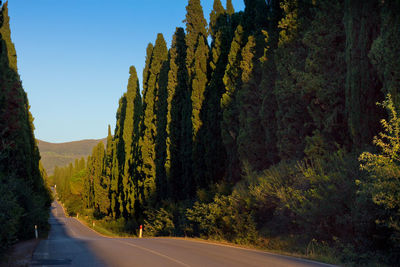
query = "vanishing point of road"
x=70 y=243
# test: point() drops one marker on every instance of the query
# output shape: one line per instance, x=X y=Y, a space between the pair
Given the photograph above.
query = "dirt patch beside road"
x=20 y=254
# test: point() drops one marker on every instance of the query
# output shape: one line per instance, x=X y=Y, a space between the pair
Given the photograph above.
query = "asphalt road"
x=70 y=243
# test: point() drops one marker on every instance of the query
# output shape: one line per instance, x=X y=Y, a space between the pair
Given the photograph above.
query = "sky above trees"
x=74 y=57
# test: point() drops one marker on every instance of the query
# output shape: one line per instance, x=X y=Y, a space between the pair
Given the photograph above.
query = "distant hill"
x=61 y=154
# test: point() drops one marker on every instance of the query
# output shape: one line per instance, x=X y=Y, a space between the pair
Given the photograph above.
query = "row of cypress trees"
x=281 y=82
x=167 y=142
x=24 y=198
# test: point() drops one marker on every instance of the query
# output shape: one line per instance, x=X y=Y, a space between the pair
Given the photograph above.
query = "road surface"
x=70 y=243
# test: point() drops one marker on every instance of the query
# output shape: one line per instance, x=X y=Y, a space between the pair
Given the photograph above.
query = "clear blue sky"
x=74 y=57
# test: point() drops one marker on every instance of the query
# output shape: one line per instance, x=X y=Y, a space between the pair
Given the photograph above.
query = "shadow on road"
x=62 y=247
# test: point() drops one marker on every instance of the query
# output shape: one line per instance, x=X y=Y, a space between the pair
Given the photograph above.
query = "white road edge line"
x=255 y=250
x=154 y=252
x=204 y=242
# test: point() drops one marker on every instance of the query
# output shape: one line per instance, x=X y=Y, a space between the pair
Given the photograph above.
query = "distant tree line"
x=258 y=135
x=24 y=197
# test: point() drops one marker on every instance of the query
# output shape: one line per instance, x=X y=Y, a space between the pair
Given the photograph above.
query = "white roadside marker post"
x=36 y=232
x=140 y=231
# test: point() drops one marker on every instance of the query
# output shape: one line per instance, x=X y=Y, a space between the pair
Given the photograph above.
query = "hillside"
x=61 y=154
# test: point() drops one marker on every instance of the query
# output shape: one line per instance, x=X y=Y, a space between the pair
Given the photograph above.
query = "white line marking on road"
x=253 y=250
x=154 y=252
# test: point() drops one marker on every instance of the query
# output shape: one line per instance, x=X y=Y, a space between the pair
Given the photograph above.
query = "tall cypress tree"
x=6 y=35
x=362 y=84
x=197 y=65
x=229 y=8
x=131 y=137
x=251 y=138
x=148 y=140
x=269 y=73
x=324 y=78
x=385 y=50
x=96 y=173
x=292 y=116
x=177 y=100
x=21 y=182
x=229 y=106
x=149 y=53
x=118 y=160
x=196 y=59
x=216 y=15
x=107 y=164
x=161 y=138
x=209 y=136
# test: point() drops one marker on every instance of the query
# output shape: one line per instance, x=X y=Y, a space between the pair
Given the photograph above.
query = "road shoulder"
x=20 y=254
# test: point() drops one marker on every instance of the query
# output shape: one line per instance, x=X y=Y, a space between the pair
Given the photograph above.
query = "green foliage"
x=24 y=197
x=323 y=79
x=6 y=35
x=209 y=144
x=131 y=135
x=61 y=154
x=10 y=214
x=118 y=159
x=229 y=7
x=216 y=15
x=158 y=223
x=251 y=132
x=253 y=140
x=178 y=121
x=384 y=50
x=224 y=219
x=148 y=140
x=196 y=59
x=98 y=180
x=161 y=138
x=195 y=30
x=292 y=117
x=229 y=106
x=73 y=205
x=362 y=83
x=384 y=168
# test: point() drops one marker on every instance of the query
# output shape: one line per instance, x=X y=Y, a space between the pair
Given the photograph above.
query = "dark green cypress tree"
x=149 y=127
x=269 y=102
x=229 y=8
x=251 y=137
x=179 y=142
x=362 y=84
x=196 y=59
x=96 y=175
x=161 y=138
x=107 y=165
x=216 y=15
x=118 y=160
x=292 y=116
x=209 y=136
x=88 y=191
x=324 y=78
x=197 y=65
x=131 y=136
x=255 y=17
x=6 y=35
x=385 y=50
x=230 y=108
x=146 y=73
x=20 y=178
